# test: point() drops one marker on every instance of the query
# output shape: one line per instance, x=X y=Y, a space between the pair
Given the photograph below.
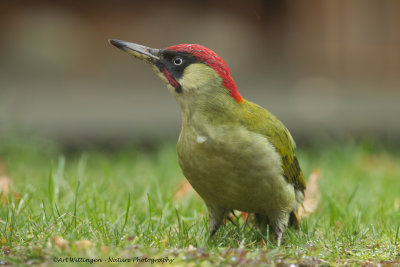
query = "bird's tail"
x=294 y=220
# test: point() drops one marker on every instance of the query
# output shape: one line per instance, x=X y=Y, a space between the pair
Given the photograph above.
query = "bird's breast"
x=233 y=167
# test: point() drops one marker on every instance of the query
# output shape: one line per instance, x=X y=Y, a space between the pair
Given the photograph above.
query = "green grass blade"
x=75 y=204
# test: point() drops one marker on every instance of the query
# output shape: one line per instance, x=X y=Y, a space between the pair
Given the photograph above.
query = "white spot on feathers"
x=201 y=139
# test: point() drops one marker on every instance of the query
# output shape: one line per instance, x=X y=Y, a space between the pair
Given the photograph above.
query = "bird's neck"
x=213 y=107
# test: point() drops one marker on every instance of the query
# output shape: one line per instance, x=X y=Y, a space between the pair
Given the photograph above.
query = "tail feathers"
x=294 y=220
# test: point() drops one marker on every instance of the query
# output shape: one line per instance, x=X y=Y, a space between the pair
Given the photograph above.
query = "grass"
x=119 y=205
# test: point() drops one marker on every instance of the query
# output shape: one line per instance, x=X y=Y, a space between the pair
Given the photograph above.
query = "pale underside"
x=233 y=168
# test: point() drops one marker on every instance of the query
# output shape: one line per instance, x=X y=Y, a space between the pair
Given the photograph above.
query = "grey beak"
x=137 y=50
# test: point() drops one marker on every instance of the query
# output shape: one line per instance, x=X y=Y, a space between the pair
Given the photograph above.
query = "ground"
x=121 y=205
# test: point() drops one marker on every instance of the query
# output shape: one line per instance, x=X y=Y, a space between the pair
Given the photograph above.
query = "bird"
x=234 y=153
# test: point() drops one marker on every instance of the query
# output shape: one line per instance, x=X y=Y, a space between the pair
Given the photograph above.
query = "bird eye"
x=177 y=61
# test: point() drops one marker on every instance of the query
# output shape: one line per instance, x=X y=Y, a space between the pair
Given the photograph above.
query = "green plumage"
x=223 y=109
x=263 y=122
x=234 y=129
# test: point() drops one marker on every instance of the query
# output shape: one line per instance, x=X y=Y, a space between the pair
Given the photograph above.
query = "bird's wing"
x=261 y=121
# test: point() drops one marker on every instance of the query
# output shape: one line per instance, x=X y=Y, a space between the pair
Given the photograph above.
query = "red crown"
x=209 y=57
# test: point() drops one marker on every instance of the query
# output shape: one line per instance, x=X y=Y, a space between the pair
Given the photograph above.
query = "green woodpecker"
x=235 y=154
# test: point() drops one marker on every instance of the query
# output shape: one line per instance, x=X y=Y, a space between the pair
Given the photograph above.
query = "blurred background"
x=325 y=68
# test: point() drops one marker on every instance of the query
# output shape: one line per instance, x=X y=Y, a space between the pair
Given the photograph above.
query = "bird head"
x=188 y=70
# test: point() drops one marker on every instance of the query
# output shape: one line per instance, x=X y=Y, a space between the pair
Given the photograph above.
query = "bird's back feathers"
x=259 y=120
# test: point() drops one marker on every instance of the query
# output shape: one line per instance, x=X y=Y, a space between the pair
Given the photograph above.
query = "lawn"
x=128 y=205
